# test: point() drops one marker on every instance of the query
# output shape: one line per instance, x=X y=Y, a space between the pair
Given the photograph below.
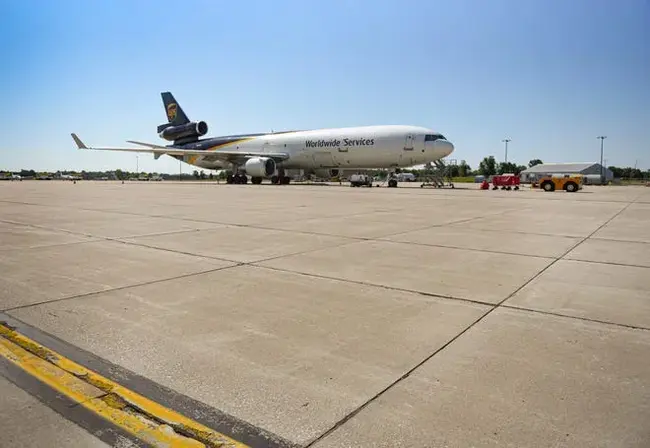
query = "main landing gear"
x=281 y=178
x=237 y=178
x=241 y=178
x=277 y=180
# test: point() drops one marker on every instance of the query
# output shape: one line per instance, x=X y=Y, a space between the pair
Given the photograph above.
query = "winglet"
x=78 y=141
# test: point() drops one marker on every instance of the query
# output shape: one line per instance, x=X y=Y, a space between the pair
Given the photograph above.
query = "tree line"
x=487 y=167
x=97 y=175
x=629 y=173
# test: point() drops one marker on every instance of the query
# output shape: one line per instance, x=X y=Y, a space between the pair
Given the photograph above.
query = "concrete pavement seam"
x=361 y=407
x=100 y=237
x=118 y=288
x=581 y=318
x=47 y=246
x=373 y=285
x=610 y=263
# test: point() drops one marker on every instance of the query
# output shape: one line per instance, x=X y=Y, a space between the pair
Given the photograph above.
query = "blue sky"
x=550 y=75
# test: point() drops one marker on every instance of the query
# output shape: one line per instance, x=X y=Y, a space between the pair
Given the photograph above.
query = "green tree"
x=626 y=173
x=618 y=172
x=488 y=166
x=534 y=162
x=196 y=174
x=510 y=167
x=464 y=169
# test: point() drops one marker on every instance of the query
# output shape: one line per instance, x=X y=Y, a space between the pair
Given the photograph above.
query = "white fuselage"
x=342 y=148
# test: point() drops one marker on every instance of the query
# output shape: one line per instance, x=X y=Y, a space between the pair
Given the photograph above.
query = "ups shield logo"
x=171 y=111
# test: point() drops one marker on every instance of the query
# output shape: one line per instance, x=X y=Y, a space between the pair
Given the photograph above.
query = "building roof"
x=560 y=167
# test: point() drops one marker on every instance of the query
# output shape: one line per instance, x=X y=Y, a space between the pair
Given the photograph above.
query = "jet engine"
x=260 y=167
x=191 y=129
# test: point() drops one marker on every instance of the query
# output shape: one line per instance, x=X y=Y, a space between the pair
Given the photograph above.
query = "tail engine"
x=187 y=132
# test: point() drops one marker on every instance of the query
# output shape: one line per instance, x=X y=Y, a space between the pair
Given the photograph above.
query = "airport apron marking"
x=137 y=415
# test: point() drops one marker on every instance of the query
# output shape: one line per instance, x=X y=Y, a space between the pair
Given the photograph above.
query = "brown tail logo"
x=171 y=112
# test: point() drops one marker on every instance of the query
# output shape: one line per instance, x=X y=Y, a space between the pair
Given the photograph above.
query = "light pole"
x=602 y=168
x=137 y=165
x=506 y=140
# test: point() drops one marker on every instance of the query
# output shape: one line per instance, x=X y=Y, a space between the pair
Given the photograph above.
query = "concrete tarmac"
x=25 y=422
x=331 y=316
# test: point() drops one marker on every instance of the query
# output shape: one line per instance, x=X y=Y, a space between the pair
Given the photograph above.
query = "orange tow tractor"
x=570 y=183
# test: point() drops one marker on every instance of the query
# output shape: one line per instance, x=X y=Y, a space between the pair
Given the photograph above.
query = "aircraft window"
x=434 y=137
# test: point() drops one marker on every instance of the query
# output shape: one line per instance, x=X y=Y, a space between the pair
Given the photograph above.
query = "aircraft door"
x=408 y=144
x=406 y=157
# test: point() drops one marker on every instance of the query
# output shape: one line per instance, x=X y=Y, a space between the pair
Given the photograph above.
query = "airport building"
x=591 y=171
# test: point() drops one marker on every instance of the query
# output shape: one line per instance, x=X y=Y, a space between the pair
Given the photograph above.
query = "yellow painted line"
x=134 y=413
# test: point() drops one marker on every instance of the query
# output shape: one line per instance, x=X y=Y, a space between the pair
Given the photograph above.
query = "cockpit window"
x=433 y=137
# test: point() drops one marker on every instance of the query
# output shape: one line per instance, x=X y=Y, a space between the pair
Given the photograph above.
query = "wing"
x=158 y=150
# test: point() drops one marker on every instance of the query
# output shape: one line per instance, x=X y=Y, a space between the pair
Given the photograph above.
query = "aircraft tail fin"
x=175 y=114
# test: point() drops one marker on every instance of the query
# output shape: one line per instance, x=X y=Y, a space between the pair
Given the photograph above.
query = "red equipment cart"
x=506 y=182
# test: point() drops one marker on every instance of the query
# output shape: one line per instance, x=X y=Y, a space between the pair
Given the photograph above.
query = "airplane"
x=322 y=152
x=62 y=176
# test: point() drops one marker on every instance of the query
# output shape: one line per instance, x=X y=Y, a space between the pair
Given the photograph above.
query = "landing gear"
x=277 y=180
x=237 y=178
x=281 y=178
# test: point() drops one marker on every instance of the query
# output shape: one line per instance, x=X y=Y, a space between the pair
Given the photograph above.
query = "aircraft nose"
x=445 y=147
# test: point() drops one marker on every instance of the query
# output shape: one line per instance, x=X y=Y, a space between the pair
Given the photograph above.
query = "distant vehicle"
x=156 y=178
x=16 y=177
x=569 y=183
x=322 y=152
x=360 y=180
x=406 y=177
